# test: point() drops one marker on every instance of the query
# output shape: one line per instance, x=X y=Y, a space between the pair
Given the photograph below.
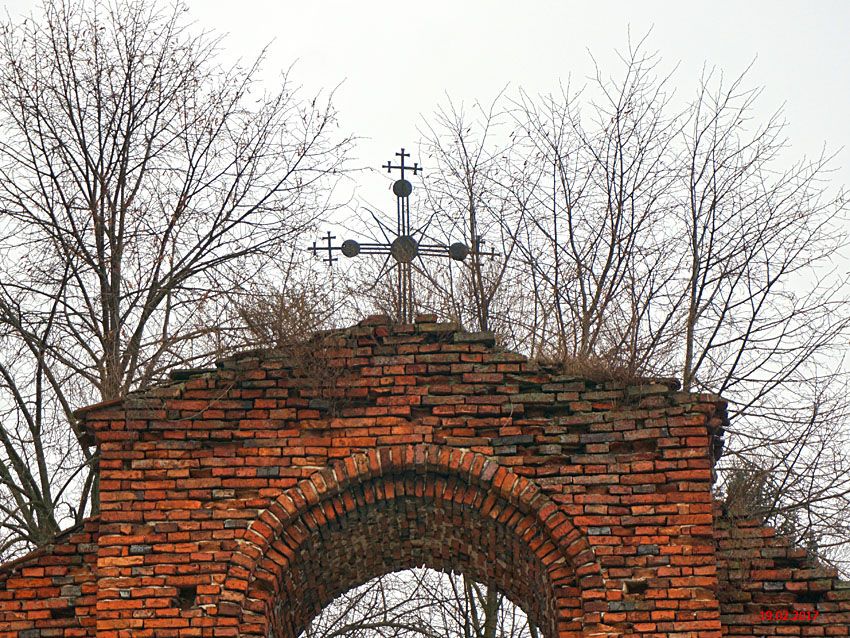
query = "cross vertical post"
x=404 y=272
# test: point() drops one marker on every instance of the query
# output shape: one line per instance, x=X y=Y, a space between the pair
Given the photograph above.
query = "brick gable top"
x=441 y=358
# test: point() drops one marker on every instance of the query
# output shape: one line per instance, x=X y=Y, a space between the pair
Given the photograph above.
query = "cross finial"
x=330 y=248
x=401 y=166
x=405 y=247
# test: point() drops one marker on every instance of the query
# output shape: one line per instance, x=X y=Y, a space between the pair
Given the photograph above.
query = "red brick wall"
x=52 y=591
x=248 y=497
x=768 y=587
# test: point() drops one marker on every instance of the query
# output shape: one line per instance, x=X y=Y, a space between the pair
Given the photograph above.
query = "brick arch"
x=365 y=488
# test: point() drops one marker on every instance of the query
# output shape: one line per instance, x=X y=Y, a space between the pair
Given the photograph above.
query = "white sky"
x=397 y=60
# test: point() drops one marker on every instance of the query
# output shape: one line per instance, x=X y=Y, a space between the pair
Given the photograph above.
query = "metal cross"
x=390 y=168
x=404 y=248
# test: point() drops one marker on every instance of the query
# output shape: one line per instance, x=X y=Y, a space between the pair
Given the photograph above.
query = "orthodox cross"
x=405 y=247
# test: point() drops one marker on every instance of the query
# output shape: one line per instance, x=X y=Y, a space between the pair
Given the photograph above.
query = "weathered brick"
x=261 y=483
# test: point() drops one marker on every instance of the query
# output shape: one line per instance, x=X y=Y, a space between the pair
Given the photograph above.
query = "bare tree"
x=595 y=235
x=136 y=174
x=766 y=319
x=469 y=197
x=650 y=236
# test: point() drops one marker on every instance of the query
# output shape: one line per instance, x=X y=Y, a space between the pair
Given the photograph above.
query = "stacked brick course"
x=769 y=587
x=241 y=500
x=52 y=591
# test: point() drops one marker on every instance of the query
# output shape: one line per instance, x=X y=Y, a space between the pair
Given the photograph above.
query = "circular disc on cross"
x=458 y=251
x=350 y=248
x=402 y=188
x=404 y=249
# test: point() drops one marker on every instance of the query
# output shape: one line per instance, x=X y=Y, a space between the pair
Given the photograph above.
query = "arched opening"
x=394 y=510
x=422 y=603
x=412 y=531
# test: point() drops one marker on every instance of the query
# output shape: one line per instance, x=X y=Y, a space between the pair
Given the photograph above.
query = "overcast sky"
x=398 y=60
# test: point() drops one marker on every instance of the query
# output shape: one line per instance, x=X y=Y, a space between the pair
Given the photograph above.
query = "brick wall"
x=52 y=591
x=245 y=498
x=768 y=587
